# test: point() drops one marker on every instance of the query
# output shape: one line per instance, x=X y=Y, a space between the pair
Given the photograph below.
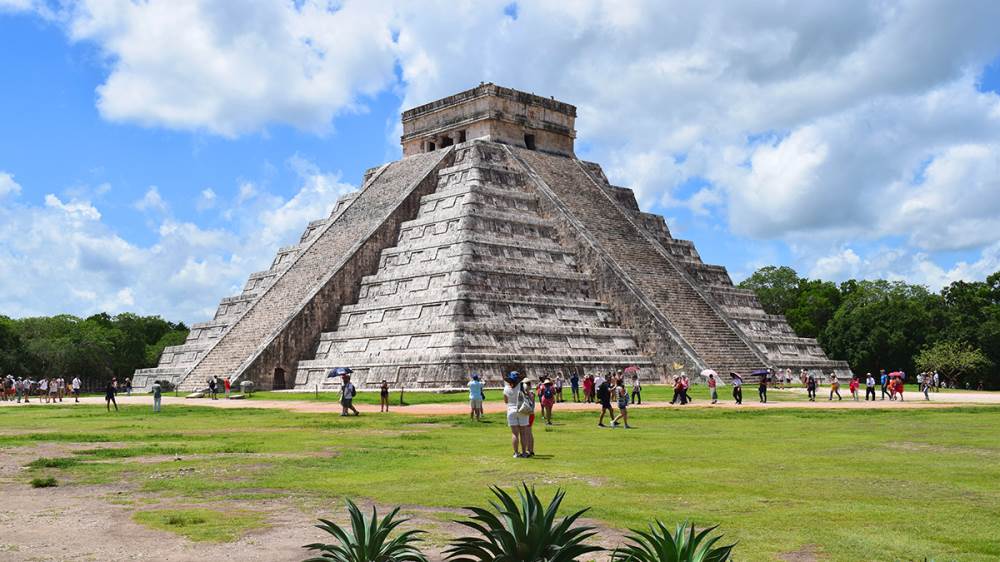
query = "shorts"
x=606 y=404
x=76 y=392
x=475 y=403
x=515 y=419
x=347 y=402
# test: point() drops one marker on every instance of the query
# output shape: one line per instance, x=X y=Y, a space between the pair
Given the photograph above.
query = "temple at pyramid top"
x=488 y=247
x=490 y=112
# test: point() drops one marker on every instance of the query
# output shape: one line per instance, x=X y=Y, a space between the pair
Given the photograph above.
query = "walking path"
x=914 y=400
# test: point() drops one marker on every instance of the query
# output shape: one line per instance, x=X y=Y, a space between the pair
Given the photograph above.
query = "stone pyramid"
x=488 y=247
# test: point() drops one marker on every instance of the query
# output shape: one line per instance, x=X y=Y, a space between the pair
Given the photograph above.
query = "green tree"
x=777 y=288
x=957 y=362
x=815 y=304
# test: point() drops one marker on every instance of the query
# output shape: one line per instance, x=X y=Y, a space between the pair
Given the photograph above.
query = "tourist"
x=476 y=397
x=128 y=386
x=803 y=376
x=636 y=390
x=109 y=394
x=869 y=387
x=21 y=389
x=925 y=386
x=685 y=385
x=598 y=380
x=920 y=380
x=547 y=397
x=227 y=385
x=899 y=388
x=678 y=391
x=762 y=388
x=622 y=396
x=588 y=389
x=811 y=388
x=60 y=388
x=383 y=396
x=884 y=382
x=574 y=386
x=517 y=413
x=835 y=386
x=604 y=396
x=853 y=387
x=43 y=389
x=212 y=386
x=937 y=381
x=559 y=386
x=737 y=387
x=529 y=434
x=712 y=383
x=53 y=390
x=347 y=393
x=157 y=394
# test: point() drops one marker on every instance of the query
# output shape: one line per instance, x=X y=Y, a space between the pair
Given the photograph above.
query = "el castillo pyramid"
x=488 y=247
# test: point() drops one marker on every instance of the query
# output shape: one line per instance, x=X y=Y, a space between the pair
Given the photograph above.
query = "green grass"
x=849 y=484
x=44 y=482
x=202 y=525
x=63 y=462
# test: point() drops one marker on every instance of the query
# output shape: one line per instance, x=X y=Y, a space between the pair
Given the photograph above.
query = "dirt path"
x=938 y=400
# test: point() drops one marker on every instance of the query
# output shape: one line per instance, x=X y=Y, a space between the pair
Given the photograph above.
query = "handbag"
x=525 y=403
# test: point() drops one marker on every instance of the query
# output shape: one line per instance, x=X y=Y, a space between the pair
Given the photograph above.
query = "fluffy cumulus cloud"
x=62 y=255
x=229 y=67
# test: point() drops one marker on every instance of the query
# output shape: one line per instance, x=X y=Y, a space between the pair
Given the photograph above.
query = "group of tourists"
x=48 y=390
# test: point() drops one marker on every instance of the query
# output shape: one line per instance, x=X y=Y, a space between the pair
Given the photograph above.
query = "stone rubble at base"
x=488 y=247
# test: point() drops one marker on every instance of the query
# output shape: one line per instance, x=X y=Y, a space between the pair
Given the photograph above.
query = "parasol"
x=632 y=369
x=338 y=372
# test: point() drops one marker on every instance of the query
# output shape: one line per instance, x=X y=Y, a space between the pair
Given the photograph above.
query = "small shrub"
x=683 y=545
x=523 y=531
x=368 y=540
x=61 y=462
x=44 y=482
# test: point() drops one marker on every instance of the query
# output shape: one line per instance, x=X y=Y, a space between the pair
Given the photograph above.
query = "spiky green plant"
x=683 y=545
x=368 y=540
x=522 y=531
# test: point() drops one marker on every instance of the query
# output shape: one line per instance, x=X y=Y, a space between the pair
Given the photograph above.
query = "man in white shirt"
x=475 y=398
x=347 y=394
x=76 y=388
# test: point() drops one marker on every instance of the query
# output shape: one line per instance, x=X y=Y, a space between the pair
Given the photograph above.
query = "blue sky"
x=152 y=155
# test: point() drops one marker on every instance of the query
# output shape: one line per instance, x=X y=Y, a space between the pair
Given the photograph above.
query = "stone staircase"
x=703 y=327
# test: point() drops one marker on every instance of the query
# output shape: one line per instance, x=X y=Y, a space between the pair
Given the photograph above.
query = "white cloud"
x=152 y=201
x=206 y=200
x=8 y=186
x=231 y=68
x=63 y=257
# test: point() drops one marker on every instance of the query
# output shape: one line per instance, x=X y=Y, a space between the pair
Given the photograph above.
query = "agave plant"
x=522 y=531
x=659 y=545
x=368 y=540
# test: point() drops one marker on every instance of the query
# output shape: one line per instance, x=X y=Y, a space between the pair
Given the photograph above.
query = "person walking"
x=869 y=387
x=835 y=386
x=53 y=389
x=588 y=389
x=574 y=386
x=43 y=389
x=476 y=395
x=762 y=388
x=636 y=390
x=737 y=387
x=227 y=386
x=811 y=388
x=899 y=388
x=347 y=393
x=128 y=386
x=157 y=394
x=559 y=382
x=517 y=413
x=547 y=397
x=622 y=396
x=19 y=389
x=109 y=394
x=383 y=396
x=212 y=386
x=937 y=381
x=925 y=387
x=853 y=387
x=60 y=388
x=712 y=387
x=685 y=385
x=604 y=395
x=677 y=391
x=884 y=382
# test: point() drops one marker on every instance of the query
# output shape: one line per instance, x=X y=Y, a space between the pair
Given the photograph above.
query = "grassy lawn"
x=848 y=485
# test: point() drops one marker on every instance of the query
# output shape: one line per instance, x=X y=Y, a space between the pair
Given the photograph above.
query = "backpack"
x=525 y=403
x=547 y=393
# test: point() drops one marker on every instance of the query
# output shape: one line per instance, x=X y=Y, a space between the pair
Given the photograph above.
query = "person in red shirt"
x=854 y=387
x=588 y=388
x=227 y=385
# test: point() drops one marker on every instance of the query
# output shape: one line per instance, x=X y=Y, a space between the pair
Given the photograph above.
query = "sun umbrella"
x=707 y=372
x=758 y=372
x=632 y=369
x=896 y=374
x=339 y=372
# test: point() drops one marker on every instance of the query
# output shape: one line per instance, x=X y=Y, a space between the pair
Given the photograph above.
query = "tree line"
x=95 y=348
x=892 y=325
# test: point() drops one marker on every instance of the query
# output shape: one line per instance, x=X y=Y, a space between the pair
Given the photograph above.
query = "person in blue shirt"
x=574 y=383
x=476 y=396
x=884 y=379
